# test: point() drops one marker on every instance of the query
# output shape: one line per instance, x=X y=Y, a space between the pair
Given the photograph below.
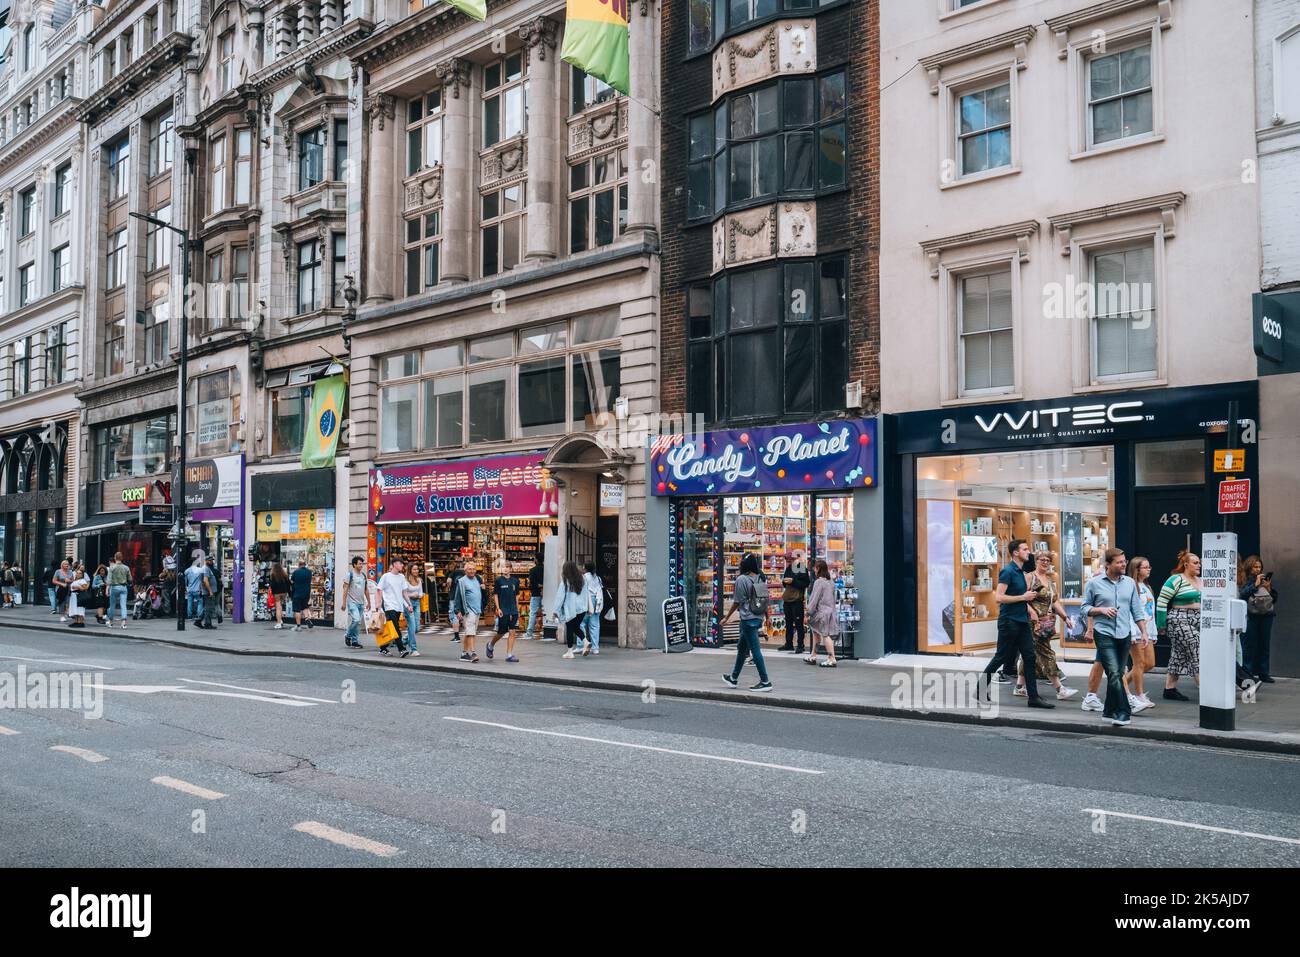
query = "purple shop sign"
x=838 y=454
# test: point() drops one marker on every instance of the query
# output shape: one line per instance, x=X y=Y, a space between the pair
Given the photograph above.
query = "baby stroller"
x=148 y=601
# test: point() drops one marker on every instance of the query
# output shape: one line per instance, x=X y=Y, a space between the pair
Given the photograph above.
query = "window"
x=700 y=25
x=110 y=62
x=338 y=268
x=311 y=157
x=62 y=190
x=22 y=366
x=159 y=241
x=243 y=166
x=226 y=60
x=309 y=276
x=340 y=150
x=154 y=335
x=504 y=97
x=134 y=449
x=586 y=90
x=984 y=129
x=398 y=410
x=1119 y=95
x=597 y=200
x=115 y=265
x=114 y=357
x=787 y=137
x=424 y=132
x=1124 y=312
x=56 y=357
x=119 y=169
x=769 y=342
x=986 y=353
x=60 y=268
x=161 y=145
x=504 y=229
x=26 y=284
x=151 y=34
x=290 y=408
x=29 y=47
x=27 y=211
x=217 y=170
x=423 y=243
x=239 y=265
x=216 y=290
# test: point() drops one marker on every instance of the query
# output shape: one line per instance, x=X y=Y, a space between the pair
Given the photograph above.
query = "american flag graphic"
x=397 y=481
x=482 y=475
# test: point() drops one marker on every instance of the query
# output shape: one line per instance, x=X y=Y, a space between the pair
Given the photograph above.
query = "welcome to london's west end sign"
x=837 y=454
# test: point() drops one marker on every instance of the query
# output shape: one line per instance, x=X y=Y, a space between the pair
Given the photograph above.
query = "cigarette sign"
x=1234 y=496
x=1229 y=460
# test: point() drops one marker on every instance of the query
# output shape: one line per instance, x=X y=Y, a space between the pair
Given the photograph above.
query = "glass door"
x=699 y=569
x=834 y=545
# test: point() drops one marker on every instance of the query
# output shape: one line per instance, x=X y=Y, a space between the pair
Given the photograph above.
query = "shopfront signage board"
x=506 y=486
x=677 y=632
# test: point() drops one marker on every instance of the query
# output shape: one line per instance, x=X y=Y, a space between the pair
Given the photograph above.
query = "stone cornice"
x=1062 y=25
x=54 y=122
x=170 y=52
x=410 y=33
x=1021 y=232
x=1165 y=204
x=331 y=44
x=1017 y=39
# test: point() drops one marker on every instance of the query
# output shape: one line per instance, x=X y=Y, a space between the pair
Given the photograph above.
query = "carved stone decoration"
x=539 y=34
x=752 y=235
x=504 y=165
x=454 y=74
x=789 y=47
x=719 y=244
x=512 y=160
x=602 y=126
x=797 y=229
x=381 y=107
x=423 y=189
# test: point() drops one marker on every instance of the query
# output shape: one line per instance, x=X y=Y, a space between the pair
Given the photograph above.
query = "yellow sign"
x=1229 y=460
x=268 y=526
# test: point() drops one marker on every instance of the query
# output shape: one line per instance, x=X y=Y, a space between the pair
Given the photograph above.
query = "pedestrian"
x=300 y=583
x=62 y=581
x=392 y=588
x=454 y=572
x=1257 y=591
x=119 y=582
x=6 y=585
x=505 y=598
x=1013 y=597
x=749 y=599
x=467 y=602
x=97 y=597
x=823 y=617
x=536 y=580
x=280 y=586
x=797 y=583
x=1178 y=611
x=1043 y=612
x=78 y=585
x=595 y=599
x=1112 y=599
x=1143 y=650
x=208 y=593
x=194 y=588
x=51 y=587
x=19 y=581
x=219 y=590
x=357 y=595
x=571 y=608
x=414 y=592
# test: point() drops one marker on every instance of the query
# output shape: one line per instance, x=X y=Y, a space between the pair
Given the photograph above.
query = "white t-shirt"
x=393 y=587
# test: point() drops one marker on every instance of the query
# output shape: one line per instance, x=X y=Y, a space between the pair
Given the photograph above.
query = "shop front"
x=214 y=500
x=33 y=500
x=782 y=493
x=1072 y=477
x=435 y=515
x=296 y=520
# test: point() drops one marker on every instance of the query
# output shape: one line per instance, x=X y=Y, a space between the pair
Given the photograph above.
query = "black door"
x=1168 y=520
x=607 y=552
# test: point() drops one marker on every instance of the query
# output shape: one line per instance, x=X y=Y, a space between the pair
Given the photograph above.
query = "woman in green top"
x=1178 y=609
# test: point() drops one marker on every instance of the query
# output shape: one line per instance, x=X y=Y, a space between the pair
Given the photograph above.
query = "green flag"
x=471 y=8
x=322 y=436
x=595 y=40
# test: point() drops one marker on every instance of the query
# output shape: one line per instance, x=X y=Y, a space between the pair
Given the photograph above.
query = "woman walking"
x=749 y=598
x=77 y=588
x=280 y=587
x=1178 y=609
x=1257 y=591
x=1044 y=610
x=414 y=592
x=1143 y=650
x=823 y=619
x=97 y=597
x=571 y=607
x=796 y=584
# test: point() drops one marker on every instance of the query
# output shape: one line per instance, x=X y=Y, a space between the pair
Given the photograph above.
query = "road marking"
x=4 y=730
x=1098 y=812
x=59 y=661
x=177 y=784
x=82 y=753
x=354 y=841
x=639 y=747
x=278 y=694
x=179 y=689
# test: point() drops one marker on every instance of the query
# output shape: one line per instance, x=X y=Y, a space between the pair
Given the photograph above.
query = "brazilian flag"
x=471 y=8
x=322 y=436
x=595 y=40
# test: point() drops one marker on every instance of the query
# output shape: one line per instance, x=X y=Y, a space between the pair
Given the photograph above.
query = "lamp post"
x=181 y=515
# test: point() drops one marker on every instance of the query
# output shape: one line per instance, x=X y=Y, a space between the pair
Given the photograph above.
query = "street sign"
x=1234 y=496
x=677 y=633
x=1229 y=460
x=156 y=514
x=612 y=495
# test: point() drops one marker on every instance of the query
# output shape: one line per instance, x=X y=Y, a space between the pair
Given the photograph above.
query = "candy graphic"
x=863 y=439
x=662 y=486
x=824 y=427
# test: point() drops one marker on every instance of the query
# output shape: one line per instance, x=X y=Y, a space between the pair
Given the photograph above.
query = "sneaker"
x=297 y=627
x=1021 y=691
x=124 y=626
x=548 y=639
x=406 y=653
x=1119 y=722
x=455 y=637
x=465 y=657
x=473 y=659
x=731 y=682
x=1001 y=679
x=310 y=626
x=415 y=654
x=512 y=658
x=385 y=652
x=525 y=637
x=568 y=654
x=595 y=651
x=762 y=686
x=1066 y=693
x=1136 y=704
x=1173 y=694
x=488 y=650
x=586 y=648
x=1040 y=703
x=63 y=618
x=1146 y=700
x=278 y=626
x=1266 y=679
x=1092 y=703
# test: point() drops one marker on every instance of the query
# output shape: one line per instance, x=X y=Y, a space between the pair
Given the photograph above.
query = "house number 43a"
x=1172 y=518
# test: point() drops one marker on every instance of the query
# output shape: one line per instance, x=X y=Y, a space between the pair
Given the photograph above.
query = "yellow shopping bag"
x=424 y=604
x=386 y=635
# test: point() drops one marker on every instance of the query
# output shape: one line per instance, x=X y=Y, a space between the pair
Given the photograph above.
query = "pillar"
x=458 y=160
x=545 y=190
x=642 y=128
x=381 y=197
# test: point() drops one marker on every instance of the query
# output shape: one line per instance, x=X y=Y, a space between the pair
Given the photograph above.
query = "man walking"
x=194 y=587
x=1014 y=636
x=505 y=595
x=208 y=593
x=356 y=589
x=392 y=587
x=1111 y=600
x=119 y=581
x=300 y=592
x=467 y=602
x=536 y=577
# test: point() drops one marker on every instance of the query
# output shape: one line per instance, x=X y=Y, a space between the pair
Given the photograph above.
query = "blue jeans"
x=54 y=599
x=749 y=646
x=193 y=605
x=591 y=624
x=209 y=605
x=412 y=627
x=534 y=611
x=356 y=614
x=117 y=599
x=1113 y=653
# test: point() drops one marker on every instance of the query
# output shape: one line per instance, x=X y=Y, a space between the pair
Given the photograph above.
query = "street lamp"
x=181 y=513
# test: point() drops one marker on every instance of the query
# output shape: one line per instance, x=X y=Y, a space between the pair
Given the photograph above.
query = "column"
x=642 y=128
x=458 y=160
x=544 y=187
x=381 y=197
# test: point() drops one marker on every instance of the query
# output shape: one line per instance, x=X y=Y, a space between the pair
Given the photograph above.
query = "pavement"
x=922 y=687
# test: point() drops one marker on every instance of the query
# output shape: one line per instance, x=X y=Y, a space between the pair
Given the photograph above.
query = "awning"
x=99 y=523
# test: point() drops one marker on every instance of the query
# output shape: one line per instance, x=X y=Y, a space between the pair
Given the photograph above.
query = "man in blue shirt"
x=1112 y=601
x=1014 y=636
x=467 y=602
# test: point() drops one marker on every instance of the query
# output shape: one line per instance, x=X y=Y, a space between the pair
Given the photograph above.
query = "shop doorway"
x=1168 y=520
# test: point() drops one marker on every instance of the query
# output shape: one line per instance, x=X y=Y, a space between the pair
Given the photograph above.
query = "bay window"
x=597 y=200
x=309 y=276
x=311 y=157
x=423 y=243
x=424 y=132
x=503 y=231
x=504 y=99
x=133 y=449
x=217 y=167
x=243 y=166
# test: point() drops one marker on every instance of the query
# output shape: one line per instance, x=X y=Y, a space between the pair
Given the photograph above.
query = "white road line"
x=177 y=784
x=82 y=753
x=4 y=730
x=278 y=694
x=354 y=841
x=1196 y=827
x=639 y=747
x=178 y=689
x=59 y=661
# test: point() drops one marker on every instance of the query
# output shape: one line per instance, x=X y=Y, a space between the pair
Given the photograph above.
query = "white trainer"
x=1066 y=693
x=1136 y=704
x=1092 y=703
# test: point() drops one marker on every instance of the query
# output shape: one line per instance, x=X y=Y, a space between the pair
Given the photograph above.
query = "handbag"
x=1260 y=602
x=386 y=635
x=1045 y=627
x=424 y=604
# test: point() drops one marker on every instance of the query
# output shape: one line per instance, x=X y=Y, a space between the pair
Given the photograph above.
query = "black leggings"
x=794 y=622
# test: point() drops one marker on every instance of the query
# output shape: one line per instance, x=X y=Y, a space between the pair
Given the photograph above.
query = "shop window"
x=1120 y=97
x=984 y=319
x=132 y=449
x=119 y=169
x=1169 y=463
x=423 y=246
x=984 y=129
x=1124 y=313
x=503 y=228
x=597 y=200
x=424 y=132
x=504 y=99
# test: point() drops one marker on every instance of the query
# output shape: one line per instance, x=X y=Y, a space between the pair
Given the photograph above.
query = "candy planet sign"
x=819 y=456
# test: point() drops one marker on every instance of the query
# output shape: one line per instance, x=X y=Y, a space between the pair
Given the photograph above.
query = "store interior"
x=970 y=507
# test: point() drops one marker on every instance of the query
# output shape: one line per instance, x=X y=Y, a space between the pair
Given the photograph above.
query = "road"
x=204 y=759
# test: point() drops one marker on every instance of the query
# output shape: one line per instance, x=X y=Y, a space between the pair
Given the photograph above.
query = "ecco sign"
x=1269 y=342
x=1080 y=417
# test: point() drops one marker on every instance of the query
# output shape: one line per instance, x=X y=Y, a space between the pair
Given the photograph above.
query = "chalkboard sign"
x=677 y=633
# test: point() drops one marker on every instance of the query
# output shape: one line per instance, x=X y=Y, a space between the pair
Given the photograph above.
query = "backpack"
x=1260 y=602
x=756 y=602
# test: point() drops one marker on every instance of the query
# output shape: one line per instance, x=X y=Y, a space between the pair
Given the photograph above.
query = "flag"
x=595 y=40
x=323 y=430
x=471 y=8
